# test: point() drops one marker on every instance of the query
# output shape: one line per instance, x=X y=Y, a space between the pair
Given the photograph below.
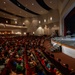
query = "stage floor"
x=67 y=45
x=66 y=41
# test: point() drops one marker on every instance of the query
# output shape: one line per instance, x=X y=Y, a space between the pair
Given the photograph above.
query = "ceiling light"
x=4 y=8
x=32 y=3
x=4 y=2
x=50 y=1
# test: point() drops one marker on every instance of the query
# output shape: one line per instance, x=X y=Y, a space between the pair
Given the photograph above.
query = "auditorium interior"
x=37 y=37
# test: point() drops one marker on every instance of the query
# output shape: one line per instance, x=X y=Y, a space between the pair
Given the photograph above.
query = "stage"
x=67 y=45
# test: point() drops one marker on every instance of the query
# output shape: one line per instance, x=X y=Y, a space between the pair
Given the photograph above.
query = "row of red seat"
x=8 y=66
x=48 y=71
x=28 y=70
x=10 y=43
x=59 y=65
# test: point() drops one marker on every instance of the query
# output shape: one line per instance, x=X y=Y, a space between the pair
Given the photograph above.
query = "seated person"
x=52 y=69
x=40 y=72
x=13 y=73
x=48 y=65
x=43 y=61
x=19 y=68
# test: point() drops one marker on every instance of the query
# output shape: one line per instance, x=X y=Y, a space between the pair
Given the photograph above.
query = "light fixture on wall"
x=27 y=22
x=51 y=18
x=44 y=20
x=39 y=27
x=24 y=33
x=6 y=21
x=15 y=22
x=18 y=33
x=33 y=32
x=23 y=23
x=39 y=22
x=12 y=32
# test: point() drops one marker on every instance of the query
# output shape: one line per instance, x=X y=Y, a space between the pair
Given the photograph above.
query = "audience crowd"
x=26 y=55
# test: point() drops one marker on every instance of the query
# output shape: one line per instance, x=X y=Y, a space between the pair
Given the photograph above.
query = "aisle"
x=68 y=60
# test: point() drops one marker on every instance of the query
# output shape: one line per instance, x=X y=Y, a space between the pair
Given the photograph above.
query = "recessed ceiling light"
x=26 y=4
x=4 y=2
x=3 y=14
x=4 y=8
x=50 y=1
x=32 y=3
